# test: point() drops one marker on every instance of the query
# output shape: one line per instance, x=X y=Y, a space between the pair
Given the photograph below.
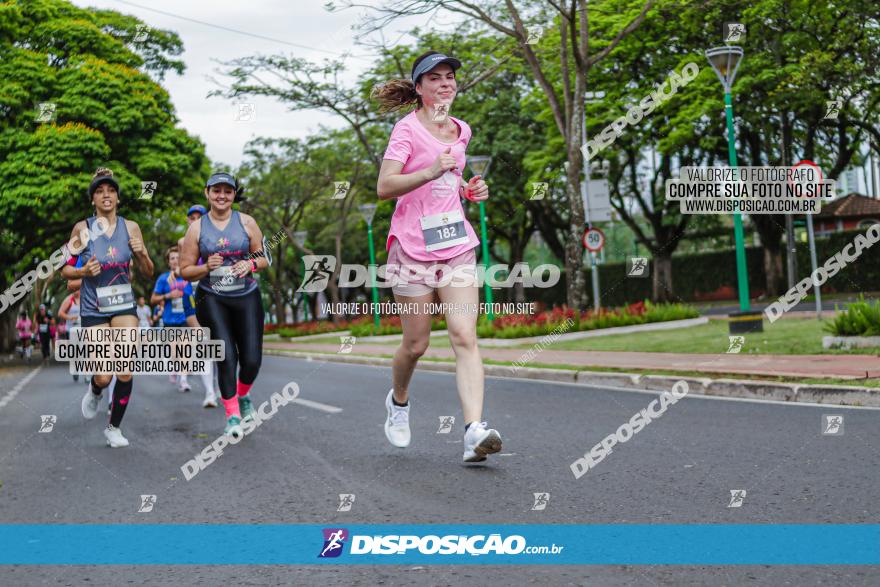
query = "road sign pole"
x=596 y=302
x=814 y=265
x=373 y=275
x=594 y=240
x=305 y=296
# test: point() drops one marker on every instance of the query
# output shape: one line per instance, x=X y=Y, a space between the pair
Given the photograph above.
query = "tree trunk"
x=770 y=229
x=8 y=335
x=517 y=252
x=773 y=269
x=278 y=302
x=576 y=290
x=662 y=278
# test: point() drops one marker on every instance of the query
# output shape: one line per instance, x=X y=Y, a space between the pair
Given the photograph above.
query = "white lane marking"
x=15 y=390
x=317 y=405
x=644 y=391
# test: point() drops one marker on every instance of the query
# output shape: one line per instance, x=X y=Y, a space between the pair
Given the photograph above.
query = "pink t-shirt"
x=414 y=146
x=23 y=327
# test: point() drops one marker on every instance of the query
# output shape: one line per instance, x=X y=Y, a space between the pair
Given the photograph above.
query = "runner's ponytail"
x=396 y=94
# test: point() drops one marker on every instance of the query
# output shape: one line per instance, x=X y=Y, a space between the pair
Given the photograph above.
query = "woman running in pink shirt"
x=23 y=325
x=422 y=170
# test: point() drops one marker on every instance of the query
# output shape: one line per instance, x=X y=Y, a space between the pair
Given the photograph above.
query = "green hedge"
x=707 y=272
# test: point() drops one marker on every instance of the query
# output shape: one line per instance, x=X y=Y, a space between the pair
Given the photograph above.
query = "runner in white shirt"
x=143 y=313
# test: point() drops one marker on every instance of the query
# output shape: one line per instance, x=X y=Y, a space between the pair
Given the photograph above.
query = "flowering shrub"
x=387 y=325
x=305 y=328
x=522 y=325
x=509 y=325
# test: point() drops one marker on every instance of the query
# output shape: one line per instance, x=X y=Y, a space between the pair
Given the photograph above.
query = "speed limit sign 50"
x=594 y=240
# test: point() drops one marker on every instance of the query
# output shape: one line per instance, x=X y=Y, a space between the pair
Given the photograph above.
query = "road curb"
x=843 y=395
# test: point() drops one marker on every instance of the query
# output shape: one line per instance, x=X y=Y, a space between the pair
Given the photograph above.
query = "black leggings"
x=45 y=339
x=238 y=322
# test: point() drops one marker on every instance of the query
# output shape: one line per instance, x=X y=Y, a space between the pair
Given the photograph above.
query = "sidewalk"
x=805 y=366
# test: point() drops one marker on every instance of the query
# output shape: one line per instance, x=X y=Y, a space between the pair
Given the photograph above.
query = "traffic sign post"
x=594 y=240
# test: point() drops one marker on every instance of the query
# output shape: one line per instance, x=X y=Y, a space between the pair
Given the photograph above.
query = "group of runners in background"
x=220 y=253
x=210 y=277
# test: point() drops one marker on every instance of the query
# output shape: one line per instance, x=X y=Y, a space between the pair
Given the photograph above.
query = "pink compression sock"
x=231 y=406
x=243 y=388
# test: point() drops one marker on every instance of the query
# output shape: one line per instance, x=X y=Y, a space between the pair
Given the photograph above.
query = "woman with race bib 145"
x=106 y=297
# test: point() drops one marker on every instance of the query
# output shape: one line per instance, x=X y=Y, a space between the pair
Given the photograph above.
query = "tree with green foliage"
x=99 y=70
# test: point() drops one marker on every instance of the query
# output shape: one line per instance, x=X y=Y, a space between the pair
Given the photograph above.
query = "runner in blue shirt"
x=176 y=295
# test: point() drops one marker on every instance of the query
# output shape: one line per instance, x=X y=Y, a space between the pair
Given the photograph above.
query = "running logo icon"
x=346 y=500
x=541 y=501
x=533 y=34
x=440 y=112
x=637 y=267
x=737 y=496
x=832 y=109
x=446 y=424
x=147 y=503
x=319 y=268
x=141 y=33
x=46 y=112
x=736 y=344
x=346 y=344
x=148 y=188
x=245 y=112
x=47 y=423
x=539 y=190
x=734 y=32
x=832 y=425
x=341 y=190
x=334 y=540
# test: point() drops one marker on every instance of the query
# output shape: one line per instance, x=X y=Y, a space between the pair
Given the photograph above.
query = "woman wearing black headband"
x=422 y=171
x=228 y=298
x=106 y=297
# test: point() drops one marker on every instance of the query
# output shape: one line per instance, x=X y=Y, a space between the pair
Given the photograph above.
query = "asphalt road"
x=679 y=469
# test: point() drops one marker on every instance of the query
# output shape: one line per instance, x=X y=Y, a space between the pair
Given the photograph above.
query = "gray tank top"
x=110 y=292
x=234 y=244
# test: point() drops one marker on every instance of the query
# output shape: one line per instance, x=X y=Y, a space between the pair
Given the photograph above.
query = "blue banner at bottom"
x=527 y=544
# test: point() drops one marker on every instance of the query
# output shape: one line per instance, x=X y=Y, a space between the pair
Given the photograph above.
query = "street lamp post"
x=368 y=211
x=479 y=165
x=299 y=238
x=725 y=62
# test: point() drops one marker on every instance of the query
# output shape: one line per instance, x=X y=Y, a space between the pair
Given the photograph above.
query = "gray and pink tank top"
x=234 y=245
x=110 y=292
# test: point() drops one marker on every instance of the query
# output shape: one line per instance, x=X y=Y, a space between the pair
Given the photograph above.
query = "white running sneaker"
x=90 y=403
x=210 y=400
x=114 y=437
x=184 y=386
x=397 y=423
x=480 y=441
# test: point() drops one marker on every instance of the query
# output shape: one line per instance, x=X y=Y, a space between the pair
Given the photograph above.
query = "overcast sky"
x=302 y=22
